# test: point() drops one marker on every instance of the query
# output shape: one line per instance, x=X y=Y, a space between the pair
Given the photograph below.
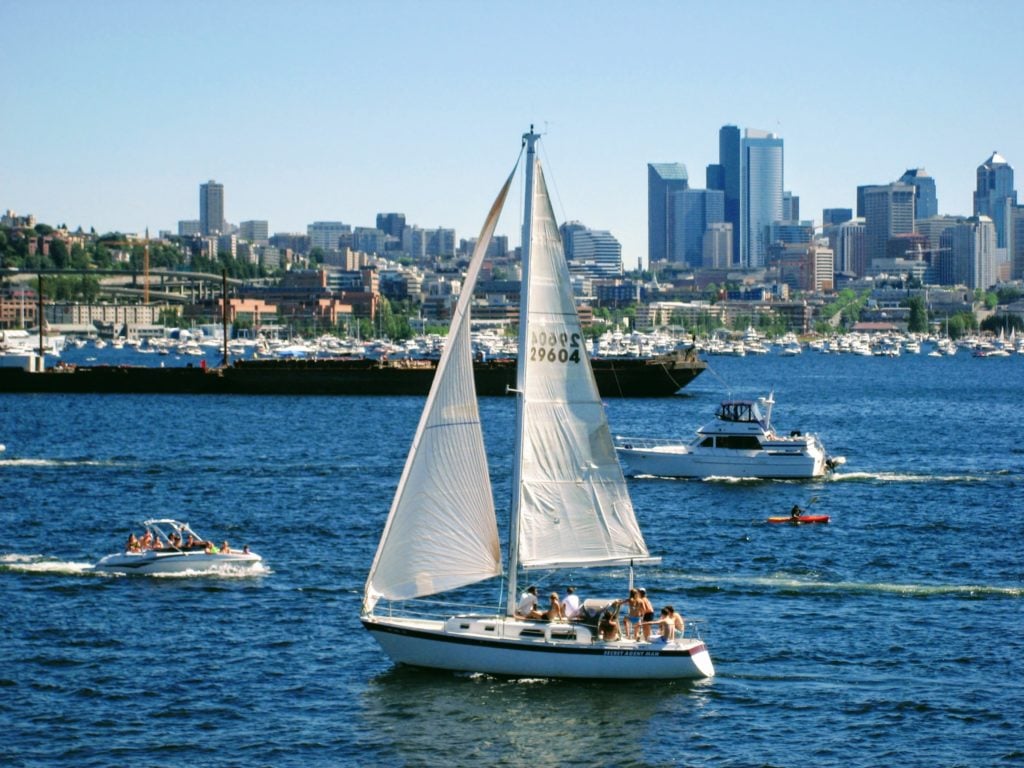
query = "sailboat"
x=570 y=507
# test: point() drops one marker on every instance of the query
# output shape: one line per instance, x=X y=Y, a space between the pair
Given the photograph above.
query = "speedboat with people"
x=740 y=442
x=171 y=546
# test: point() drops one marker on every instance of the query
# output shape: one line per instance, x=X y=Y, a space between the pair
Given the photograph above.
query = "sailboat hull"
x=513 y=648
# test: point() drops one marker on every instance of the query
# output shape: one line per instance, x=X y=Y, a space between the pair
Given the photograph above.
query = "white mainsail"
x=573 y=505
x=441 y=532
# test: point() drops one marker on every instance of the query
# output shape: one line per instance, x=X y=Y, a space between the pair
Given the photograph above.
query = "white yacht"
x=740 y=442
x=170 y=546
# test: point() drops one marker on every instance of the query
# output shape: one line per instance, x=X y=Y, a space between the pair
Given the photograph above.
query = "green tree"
x=918 y=322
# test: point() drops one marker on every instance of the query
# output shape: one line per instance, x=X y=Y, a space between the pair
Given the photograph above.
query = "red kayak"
x=799 y=520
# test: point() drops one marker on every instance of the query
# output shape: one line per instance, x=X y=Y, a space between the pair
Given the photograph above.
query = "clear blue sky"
x=114 y=111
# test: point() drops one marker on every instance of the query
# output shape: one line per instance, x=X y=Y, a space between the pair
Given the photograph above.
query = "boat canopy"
x=745 y=411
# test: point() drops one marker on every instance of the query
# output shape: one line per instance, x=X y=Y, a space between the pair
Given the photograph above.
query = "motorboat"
x=740 y=442
x=171 y=546
x=570 y=506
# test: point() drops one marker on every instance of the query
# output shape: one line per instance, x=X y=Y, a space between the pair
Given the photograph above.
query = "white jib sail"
x=442 y=532
x=574 y=507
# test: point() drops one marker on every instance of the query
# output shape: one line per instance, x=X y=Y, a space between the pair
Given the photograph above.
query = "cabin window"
x=708 y=442
x=739 y=442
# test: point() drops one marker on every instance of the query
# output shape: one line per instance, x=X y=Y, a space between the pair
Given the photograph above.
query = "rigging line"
x=553 y=178
x=724 y=383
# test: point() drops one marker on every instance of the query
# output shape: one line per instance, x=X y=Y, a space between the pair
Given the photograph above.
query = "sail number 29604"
x=554 y=347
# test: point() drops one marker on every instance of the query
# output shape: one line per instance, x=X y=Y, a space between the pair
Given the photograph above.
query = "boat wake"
x=731 y=480
x=788 y=582
x=56 y=463
x=216 y=572
x=904 y=477
x=18 y=563
x=40 y=564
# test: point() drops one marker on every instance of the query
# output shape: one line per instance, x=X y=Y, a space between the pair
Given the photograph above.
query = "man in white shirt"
x=527 y=607
x=571 y=604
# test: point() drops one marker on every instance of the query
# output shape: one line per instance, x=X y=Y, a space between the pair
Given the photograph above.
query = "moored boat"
x=739 y=442
x=170 y=546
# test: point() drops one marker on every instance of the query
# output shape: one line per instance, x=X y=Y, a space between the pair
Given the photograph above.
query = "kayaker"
x=795 y=512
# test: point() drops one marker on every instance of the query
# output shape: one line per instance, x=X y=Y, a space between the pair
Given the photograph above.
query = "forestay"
x=574 y=507
x=441 y=532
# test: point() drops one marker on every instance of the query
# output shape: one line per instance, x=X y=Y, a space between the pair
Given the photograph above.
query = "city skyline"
x=327 y=112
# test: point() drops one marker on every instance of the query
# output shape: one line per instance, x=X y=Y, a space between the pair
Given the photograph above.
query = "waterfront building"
x=692 y=212
x=995 y=195
x=926 y=204
x=663 y=179
x=211 y=208
x=761 y=180
x=888 y=211
x=967 y=254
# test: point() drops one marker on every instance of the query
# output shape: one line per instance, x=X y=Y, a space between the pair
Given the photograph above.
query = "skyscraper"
x=835 y=215
x=995 y=194
x=926 y=204
x=725 y=176
x=211 y=208
x=693 y=210
x=761 y=169
x=391 y=224
x=888 y=211
x=663 y=179
x=325 y=235
x=593 y=252
x=256 y=231
x=968 y=254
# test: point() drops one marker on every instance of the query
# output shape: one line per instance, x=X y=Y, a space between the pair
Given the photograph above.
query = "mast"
x=224 y=314
x=530 y=139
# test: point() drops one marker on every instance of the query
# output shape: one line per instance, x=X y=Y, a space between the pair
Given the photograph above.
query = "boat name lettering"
x=554 y=347
x=632 y=653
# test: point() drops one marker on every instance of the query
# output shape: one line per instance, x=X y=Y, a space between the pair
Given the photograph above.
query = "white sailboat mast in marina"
x=570 y=506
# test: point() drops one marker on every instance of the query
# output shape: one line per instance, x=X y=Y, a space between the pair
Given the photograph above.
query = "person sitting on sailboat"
x=571 y=606
x=527 y=608
x=677 y=621
x=608 y=626
x=666 y=627
x=554 y=611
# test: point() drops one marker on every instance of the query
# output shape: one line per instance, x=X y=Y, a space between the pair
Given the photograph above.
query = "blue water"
x=892 y=636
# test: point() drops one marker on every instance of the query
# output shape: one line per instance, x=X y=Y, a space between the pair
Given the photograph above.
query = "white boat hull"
x=681 y=461
x=161 y=561
x=513 y=648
